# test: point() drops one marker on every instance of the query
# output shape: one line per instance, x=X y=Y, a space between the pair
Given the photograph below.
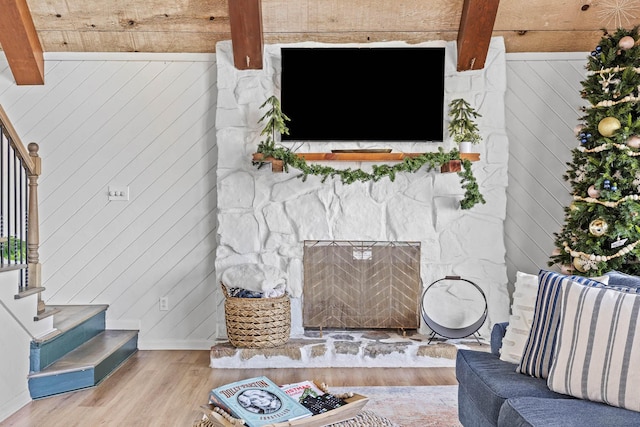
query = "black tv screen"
x=363 y=94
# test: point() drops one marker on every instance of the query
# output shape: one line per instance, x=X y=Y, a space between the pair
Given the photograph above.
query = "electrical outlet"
x=164 y=303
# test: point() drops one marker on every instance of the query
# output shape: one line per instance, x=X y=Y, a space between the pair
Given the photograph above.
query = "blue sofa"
x=492 y=393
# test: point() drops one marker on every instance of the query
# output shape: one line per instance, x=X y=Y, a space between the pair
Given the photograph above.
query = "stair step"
x=85 y=366
x=11 y=267
x=73 y=326
x=71 y=316
x=48 y=312
x=28 y=292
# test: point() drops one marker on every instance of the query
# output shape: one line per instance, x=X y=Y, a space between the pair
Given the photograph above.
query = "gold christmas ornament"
x=633 y=141
x=598 y=227
x=608 y=126
x=578 y=263
x=626 y=43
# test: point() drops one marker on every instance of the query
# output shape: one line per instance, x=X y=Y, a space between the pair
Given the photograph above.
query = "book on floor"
x=258 y=401
x=302 y=389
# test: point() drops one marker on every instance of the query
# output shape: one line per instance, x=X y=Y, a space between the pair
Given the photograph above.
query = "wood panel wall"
x=146 y=122
x=542 y=109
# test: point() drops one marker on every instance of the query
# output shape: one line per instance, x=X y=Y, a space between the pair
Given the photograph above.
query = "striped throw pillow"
x=539 y=349
x=598 y=346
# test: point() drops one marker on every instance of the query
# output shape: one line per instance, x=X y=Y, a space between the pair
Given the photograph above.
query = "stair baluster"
x=19 y=228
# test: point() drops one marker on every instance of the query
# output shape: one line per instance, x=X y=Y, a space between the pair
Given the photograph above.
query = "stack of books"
x=260 y=402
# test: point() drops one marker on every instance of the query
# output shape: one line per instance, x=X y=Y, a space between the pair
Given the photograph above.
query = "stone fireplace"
x=266 y=217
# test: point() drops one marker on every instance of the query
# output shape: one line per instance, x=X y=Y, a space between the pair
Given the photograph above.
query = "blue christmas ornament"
x=594 y=53
x=598 y=48
x=614 y=188
x=606 y=184
x=583 y=140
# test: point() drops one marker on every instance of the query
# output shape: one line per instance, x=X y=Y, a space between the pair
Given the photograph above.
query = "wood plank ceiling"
x=197 y=25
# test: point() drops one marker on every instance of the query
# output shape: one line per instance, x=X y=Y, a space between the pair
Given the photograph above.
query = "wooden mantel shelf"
x=277 y=166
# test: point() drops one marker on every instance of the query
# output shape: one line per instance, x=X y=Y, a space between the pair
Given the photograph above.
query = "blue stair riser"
x=117 y=358
x=44 y=354
x=56 y=384
x=50 y=385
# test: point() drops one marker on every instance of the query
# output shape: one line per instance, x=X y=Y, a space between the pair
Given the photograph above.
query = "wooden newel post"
x=33 y=225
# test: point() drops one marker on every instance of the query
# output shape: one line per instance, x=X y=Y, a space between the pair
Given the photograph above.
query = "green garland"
x=275 y=122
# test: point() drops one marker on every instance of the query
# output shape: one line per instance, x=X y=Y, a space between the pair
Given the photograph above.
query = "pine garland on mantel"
x=276 y=122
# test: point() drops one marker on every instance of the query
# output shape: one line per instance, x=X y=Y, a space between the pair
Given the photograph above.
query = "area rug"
x=423 y=406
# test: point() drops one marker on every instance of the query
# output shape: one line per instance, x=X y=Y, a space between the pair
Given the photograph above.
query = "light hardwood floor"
x=166 y=388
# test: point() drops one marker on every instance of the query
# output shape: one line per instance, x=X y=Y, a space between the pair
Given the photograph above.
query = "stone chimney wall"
x=265 y=217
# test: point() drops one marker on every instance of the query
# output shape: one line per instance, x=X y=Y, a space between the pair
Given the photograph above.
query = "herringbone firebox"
x=359 y=284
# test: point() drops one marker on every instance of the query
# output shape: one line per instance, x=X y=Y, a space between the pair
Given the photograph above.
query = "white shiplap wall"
x=147 y=122
x=542 y=109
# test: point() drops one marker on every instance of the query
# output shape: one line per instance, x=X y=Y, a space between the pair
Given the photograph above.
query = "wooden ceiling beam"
x=245 y=18
x=20 y=43
x=474 y=34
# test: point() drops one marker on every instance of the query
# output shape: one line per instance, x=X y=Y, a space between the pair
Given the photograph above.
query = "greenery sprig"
x=462 y=126
x=275 y=121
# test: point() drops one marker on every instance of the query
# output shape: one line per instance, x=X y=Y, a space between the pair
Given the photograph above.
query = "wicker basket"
x=257 y=322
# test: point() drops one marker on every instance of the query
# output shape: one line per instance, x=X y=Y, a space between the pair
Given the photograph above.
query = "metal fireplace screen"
x=355 y=284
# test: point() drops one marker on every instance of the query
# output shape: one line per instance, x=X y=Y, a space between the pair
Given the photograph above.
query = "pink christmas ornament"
x=634 y=141
x=556 y=252
x=578 y=129
x=593 y=192
x=626 y=43
x=566 y=269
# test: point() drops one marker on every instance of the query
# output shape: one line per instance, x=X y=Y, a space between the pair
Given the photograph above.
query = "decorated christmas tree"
x=602 y=224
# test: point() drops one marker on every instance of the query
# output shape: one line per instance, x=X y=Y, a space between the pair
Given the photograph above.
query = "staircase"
x=79 y=353
x=70 y=349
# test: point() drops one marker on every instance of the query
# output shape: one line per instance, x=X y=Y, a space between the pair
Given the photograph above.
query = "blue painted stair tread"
x=85 y=366
x=74 y=324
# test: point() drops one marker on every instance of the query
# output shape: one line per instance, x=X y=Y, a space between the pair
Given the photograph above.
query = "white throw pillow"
x=598 y=346
x=524 y=301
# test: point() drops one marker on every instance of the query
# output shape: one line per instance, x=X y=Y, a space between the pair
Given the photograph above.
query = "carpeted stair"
x=80 y=353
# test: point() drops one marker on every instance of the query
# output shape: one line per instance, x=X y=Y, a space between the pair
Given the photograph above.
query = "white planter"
x=465 y=147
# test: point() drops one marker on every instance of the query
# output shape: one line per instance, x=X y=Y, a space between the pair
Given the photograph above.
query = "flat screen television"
x=363 y=94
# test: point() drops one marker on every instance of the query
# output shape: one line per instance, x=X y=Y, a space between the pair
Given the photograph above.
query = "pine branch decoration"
x=275 y=121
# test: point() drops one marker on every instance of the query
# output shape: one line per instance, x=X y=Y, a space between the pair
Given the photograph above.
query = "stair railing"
x=20 y=169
